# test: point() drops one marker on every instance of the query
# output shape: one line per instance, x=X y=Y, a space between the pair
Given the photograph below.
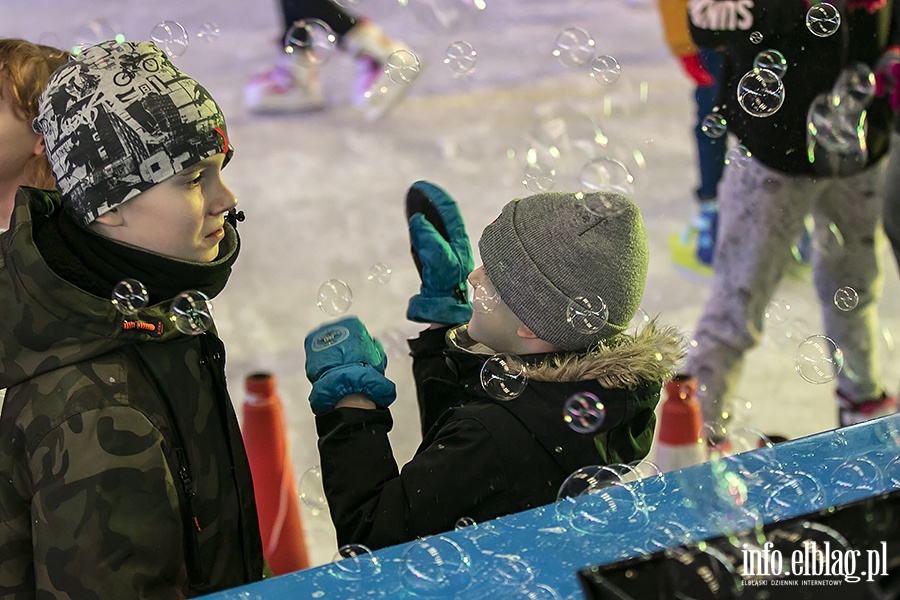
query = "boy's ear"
x=39 y=147
x=111 y=218
x=525 y=333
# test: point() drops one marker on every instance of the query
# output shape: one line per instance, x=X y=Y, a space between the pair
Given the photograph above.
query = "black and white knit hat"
x=571 y=267
x=120 y=118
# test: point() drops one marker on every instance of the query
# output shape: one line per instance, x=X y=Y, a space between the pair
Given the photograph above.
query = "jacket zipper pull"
x=188 y=486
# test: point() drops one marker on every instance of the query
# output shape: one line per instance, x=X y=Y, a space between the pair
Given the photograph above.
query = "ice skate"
x=286 y=88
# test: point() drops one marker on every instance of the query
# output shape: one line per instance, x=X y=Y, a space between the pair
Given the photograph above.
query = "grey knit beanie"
x=120 y=118
x=555 y=257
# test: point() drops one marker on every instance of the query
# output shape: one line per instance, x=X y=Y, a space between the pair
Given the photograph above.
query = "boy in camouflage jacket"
x=122 y=471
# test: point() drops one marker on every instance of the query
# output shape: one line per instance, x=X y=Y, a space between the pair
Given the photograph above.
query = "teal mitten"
x=443 y=256
x=341 y=359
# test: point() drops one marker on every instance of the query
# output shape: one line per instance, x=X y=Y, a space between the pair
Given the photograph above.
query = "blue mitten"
x=342 y=358
x=443 y=256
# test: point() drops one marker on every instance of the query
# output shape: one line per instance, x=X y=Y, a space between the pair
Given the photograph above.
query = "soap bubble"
x=310 y=42
x=574 y=47
x=777 y=311
x=756 y=37
x=507 y=572
x=504 y=376
x=892 y=474
x=379 y=273
x=587 y=480
x=445 y=15
x=605 y=70
x=191 y=311
x=334 y=297
x=171 y=37
x=312 y=490
x=793 y=493
x=818 y=359
x=539 y=177
x=738 y=156
x=463 y=522
x=771 y=60
x=714 y=125
x=584 y=412
x=89 y=34
x=402 y=66
x=587 y=314
x=760 y=93
x=640 y=320
x=540 y=591
x=854 y=88
x=209 y=32
x=704 y=570
x=607 y=175
x=129 y=296
x=461 y=58
x=854 y=477
x=846 y=298
x=354 y=562
x=823 y=19
x=436 y=565
x=485 y=297
x=615 y=507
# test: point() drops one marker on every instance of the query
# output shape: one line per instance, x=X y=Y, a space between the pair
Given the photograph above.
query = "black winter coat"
x=482 y=458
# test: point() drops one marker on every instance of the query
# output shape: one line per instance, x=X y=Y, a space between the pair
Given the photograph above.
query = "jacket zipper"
x=190 y=493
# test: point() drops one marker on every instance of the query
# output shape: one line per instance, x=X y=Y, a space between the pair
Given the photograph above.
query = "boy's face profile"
x=181 y=217
x=500 y=329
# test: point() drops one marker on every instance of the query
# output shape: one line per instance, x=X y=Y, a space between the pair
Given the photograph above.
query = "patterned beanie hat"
x=120 y=118
x=572 y=268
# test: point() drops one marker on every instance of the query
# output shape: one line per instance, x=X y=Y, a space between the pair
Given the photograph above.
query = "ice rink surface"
x=323 y=192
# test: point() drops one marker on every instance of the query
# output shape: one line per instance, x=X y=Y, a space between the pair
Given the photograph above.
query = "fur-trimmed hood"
x=625 y=361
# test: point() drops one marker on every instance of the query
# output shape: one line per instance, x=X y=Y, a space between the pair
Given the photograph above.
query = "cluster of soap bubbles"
x=504 y=376
x=575 y=48
x=190 y=311
x=170 y=36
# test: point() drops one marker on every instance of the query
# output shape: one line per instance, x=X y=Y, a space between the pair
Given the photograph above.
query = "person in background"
x=794 y=170
x=694 y=247
x=24 y=70
x=293 y=87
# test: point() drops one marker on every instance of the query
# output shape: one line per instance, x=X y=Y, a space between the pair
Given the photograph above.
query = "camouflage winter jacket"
x=122 y=471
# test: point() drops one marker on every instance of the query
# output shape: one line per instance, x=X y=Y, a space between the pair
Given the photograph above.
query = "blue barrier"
x=536 y=554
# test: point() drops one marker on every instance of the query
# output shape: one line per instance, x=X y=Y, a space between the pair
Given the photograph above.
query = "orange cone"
x=265 y=438
x=679 y=444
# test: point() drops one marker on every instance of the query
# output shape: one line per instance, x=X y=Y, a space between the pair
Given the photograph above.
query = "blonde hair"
x=25 y=69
